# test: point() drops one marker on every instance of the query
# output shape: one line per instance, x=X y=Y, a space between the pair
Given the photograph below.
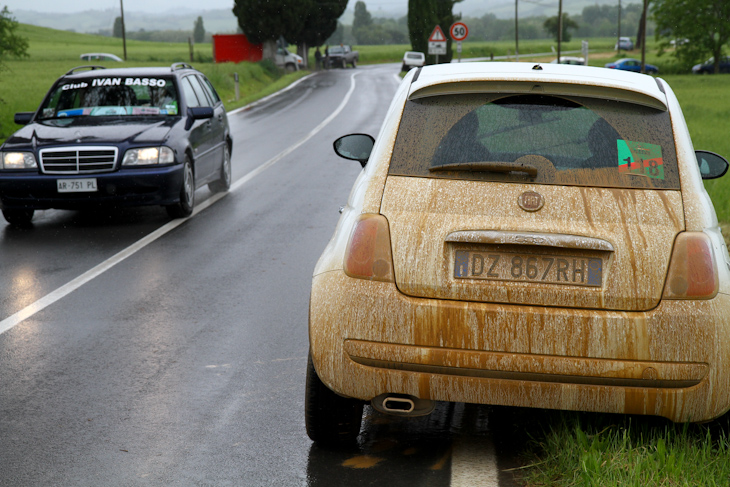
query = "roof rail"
x=90 y=67
x=180 y=66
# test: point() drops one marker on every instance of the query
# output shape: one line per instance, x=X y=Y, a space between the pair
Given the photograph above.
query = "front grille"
x=79 y=160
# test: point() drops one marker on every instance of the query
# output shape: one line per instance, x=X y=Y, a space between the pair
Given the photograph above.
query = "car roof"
x=97 y=71
x=517 y=77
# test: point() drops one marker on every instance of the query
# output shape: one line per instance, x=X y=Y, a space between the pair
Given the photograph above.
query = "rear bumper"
x=368 y=339
x=126 y=187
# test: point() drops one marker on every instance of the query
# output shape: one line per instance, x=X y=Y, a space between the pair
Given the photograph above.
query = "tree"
x=551 y=25
x=117 y=31
x=11 y=44
x=706 y=30
x=319 y=23
x=265 y=21
x=199 y=31
x=362 y=16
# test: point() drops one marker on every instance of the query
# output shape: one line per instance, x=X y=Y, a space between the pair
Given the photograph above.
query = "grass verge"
x=582 y=449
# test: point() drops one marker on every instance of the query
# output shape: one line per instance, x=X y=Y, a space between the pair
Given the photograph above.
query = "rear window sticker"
x=640 y=159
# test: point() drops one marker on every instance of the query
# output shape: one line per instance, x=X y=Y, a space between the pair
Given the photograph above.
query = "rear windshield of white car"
x=112 y=96
x=540 y=139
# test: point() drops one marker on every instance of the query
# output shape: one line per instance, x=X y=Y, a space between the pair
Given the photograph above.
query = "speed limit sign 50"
x=459 y=31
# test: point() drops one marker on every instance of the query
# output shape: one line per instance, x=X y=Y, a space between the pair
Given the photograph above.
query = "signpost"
x=437 y=43
x=458 y=32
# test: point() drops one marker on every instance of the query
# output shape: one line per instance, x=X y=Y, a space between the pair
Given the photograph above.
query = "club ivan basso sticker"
x=640 y=159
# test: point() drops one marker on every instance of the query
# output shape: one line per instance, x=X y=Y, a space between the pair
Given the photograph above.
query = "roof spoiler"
x=90 y=67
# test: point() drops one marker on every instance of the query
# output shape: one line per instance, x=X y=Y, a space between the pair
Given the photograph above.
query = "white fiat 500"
x=524 y=235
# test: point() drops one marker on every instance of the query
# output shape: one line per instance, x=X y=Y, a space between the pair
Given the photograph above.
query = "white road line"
x=87 y=276
x=473 y=463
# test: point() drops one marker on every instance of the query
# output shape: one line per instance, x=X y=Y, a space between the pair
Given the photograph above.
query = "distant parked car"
x=629 y=64
x=413 y=59
x=579 y=61
x=624 y=43
x=100 y=56
x=709 y=66
x=341 y=56
x=288 y=60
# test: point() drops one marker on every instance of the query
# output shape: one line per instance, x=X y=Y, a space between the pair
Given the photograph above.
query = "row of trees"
x=594 y=21
x=198 y=33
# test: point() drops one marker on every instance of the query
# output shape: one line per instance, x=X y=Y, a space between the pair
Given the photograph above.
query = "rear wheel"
x=330 y=419
x=224 y=183
x=185 y=206
x=18 y=216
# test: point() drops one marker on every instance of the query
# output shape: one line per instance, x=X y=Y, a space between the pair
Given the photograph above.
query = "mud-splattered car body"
x=580 y=278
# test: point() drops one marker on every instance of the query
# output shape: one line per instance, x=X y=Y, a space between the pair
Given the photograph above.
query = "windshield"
x=538 y=139
x=337 y=50
x=120 y=96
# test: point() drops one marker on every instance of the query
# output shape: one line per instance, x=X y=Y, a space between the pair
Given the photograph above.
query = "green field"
x=23 y=83
x=52 y=53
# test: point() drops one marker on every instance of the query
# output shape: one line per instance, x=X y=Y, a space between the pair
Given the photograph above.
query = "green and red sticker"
x=640 y=159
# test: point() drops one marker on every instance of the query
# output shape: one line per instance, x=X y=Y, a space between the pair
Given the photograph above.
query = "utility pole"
x=560 y=27
x=618 y=39
x=643 y=37
x=517 y=36
x=124 y=30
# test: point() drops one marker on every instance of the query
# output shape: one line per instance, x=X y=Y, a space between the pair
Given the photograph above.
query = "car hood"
x=79 y=131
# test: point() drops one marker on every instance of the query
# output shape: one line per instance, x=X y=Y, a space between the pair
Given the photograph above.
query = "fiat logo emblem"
x=531 y=201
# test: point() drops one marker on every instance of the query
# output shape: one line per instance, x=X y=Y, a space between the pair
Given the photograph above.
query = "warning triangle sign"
x=437 y=35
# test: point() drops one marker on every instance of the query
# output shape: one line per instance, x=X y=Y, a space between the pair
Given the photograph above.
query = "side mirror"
x=23 y=118
x=198 y=113
x=356 y=147
x=711 y=165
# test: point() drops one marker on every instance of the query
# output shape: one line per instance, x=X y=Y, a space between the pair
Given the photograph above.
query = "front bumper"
x=125 y=187
x=367 y=339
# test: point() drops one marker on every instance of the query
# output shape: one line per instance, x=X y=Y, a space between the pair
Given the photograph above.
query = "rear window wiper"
x=493 y=166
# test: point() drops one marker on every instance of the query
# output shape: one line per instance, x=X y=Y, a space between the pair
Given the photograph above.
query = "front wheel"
x=224 y=183
x=19 y=217
x=185 y=206
x=354 y=63
x=330 y=419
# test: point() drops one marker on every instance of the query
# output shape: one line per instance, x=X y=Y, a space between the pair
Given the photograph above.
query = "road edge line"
x=63 y=291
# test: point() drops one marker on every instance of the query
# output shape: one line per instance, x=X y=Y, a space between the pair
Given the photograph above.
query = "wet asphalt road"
x=183 y=363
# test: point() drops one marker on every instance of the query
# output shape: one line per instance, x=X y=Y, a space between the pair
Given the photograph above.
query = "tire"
x=330 y=419
x=290 y=68
x=343 y=63
x=354 y=63
x=184 y=207
x=224 y=183
x=18 y=216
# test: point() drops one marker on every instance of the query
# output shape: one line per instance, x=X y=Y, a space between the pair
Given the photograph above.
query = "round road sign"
x=459 y=31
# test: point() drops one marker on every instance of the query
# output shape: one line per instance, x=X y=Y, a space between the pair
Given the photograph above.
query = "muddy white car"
x=523 y=235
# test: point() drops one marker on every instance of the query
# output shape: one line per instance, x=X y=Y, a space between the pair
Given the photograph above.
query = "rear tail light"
x=692 y=269
x=368 y=254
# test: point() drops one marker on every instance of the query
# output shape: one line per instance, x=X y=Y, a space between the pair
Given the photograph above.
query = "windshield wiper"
x=493 y=166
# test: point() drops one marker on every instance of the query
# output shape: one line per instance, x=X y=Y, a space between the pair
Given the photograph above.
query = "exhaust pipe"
x=402 y=405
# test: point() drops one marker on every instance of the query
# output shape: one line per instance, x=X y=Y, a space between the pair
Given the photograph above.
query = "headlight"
x=148 y=155
x=19 y=160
